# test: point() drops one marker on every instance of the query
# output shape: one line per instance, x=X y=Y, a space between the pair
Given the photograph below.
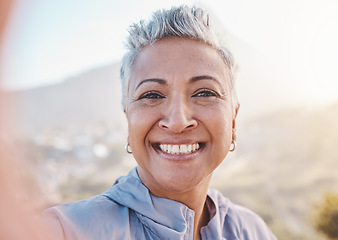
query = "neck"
x=201 y=220
x=196 y=201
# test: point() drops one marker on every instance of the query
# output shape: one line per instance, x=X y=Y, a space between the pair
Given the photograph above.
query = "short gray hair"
x=182 y=21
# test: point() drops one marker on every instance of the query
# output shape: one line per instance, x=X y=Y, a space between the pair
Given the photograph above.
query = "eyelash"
x=200 y=93
x=206 y=93
x=151 y=95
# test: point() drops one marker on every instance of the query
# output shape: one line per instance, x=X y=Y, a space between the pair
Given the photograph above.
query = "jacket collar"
x=168 y=219
x=162 y=216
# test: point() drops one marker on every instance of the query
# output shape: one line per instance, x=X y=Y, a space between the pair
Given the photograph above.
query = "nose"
x=178 y=117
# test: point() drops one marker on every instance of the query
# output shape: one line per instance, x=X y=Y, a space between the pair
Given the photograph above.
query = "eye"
x=205 y=93
x=151 y=95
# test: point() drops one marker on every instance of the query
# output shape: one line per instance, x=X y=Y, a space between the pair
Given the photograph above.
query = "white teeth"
x=183 y=149
x=179 y=149
x=175 y=149
x=164 y=147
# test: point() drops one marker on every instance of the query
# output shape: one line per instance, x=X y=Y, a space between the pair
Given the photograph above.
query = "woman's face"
x=180 y=114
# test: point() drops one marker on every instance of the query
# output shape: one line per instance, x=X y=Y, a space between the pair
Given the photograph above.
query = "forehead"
x=180 y=57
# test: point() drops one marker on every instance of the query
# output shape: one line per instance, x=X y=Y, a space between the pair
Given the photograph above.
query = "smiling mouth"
x=179 y=149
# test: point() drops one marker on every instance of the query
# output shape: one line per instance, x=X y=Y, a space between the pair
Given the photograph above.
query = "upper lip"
x=177 y=141
x=182 y=143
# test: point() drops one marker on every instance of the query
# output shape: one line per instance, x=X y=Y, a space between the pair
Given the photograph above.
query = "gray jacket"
x=128 y=211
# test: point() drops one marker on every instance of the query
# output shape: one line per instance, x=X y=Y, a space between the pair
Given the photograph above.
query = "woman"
x=180 y=103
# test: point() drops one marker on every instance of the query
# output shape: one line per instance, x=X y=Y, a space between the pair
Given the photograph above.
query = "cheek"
x=220 y=117
x=135 y=126
x=222 y=138
x=139 y=125
x=136 y=135
x=219 y=122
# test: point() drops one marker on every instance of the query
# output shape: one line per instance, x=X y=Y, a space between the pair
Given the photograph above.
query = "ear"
x=234 y=123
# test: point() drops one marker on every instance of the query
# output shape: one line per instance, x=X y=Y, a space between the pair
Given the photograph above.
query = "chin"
x=176 y=183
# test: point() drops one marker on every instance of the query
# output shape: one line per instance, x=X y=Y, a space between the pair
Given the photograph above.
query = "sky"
x=49 y=41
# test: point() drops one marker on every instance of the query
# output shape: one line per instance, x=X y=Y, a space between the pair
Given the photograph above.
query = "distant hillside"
x=284 y=162
x=88 y=98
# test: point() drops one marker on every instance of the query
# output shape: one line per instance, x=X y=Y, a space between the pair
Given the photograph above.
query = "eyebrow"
x=158 y=80
x=203 y=77
x=163 y=82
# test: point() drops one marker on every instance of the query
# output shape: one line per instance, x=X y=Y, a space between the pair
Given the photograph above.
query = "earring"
x=232 y=146
x=128 y=148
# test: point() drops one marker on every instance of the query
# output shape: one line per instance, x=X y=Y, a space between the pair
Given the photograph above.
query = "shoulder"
x=80 y=211
x=78 y=220
x=251 y=225
x=239 y=220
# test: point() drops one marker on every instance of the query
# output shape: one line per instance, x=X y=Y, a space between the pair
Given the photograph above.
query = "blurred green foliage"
x=326 y=216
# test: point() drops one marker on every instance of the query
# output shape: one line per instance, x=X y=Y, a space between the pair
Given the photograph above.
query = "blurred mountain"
x=91 y=97
x=284 y=162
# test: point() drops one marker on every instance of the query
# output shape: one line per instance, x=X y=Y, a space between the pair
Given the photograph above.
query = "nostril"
x=177 y=126
x=192 y=125
x=178 y=118
x=162 y=125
